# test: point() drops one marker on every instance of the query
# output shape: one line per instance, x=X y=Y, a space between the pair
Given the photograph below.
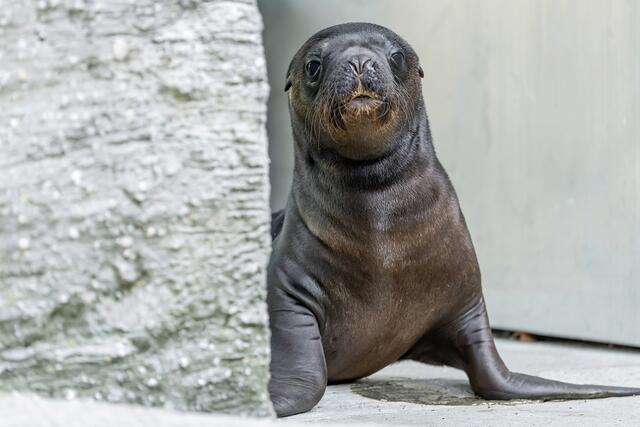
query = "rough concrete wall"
x=134 y=202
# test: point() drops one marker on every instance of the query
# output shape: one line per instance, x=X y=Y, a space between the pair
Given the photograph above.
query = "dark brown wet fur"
x=372 y=261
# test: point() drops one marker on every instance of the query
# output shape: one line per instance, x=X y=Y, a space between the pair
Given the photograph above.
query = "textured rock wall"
x=134 y=202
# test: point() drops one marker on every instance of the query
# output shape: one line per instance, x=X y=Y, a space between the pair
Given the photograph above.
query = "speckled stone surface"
x=134 y=202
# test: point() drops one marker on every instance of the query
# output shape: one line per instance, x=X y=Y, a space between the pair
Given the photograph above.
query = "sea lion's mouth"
x=363 y=99
x=361 y=105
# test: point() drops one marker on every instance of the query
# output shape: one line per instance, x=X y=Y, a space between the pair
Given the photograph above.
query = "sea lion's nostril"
x=359 y=63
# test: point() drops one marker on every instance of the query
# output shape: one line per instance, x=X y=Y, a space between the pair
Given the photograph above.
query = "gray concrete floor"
x=406 y=380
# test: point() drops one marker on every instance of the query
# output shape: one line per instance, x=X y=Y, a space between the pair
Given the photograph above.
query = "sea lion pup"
x=372 y=261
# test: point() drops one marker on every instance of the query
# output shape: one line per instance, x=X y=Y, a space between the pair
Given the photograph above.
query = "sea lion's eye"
x=397 y=58
x=313 y=68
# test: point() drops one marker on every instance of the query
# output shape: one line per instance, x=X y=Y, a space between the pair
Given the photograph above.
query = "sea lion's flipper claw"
x=298 y=368
x=491 y=379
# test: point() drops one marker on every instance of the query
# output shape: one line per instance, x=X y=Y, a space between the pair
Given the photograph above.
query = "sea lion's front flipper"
x=467 y=343
x=298 y=368
x=490 y=377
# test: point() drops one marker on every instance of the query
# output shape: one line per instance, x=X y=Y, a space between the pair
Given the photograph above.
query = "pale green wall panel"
x=535 y=111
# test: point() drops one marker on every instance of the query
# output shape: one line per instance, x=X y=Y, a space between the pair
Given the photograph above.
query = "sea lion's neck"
x=411 y=144
x=332 y=192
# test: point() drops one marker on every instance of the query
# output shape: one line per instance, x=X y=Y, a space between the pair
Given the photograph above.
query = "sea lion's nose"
x=359 y=63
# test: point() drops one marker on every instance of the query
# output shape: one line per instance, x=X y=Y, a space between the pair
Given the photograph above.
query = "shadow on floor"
x=437 y=391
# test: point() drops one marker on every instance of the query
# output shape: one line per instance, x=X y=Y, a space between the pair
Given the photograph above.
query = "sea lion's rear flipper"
x=467 y=343
x=298 y=368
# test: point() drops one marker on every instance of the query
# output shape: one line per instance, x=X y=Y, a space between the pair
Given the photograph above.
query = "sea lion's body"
x=372 y=261
x=384 y=282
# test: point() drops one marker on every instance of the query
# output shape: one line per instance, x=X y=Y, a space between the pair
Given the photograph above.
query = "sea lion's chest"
x=384 y=291
x=391 y=263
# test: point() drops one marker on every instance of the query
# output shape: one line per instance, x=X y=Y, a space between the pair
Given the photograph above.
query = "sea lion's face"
x=353 y=87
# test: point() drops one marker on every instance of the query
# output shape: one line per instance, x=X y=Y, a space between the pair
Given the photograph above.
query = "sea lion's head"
x=353 y=87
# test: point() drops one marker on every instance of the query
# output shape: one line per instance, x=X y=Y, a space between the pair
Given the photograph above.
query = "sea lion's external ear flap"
x=288 y=84
x=420 y=71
